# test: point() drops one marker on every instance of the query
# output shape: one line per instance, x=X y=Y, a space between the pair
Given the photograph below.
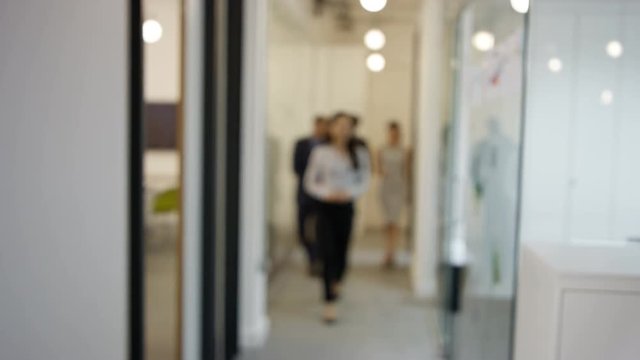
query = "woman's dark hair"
x=393 y=125
x=352 y=143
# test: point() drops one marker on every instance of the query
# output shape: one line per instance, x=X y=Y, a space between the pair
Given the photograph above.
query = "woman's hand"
x=338 y=197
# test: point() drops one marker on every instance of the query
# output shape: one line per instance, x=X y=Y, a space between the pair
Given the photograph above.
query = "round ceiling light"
x=521 y=6
x=615 y=49
x=555 y=65
x=373 y=5
x=151 y=31
x=376 y=62
x=484 y=40
x=374 y=39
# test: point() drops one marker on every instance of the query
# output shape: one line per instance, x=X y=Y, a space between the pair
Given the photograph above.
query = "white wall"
x=63 y=150
x=305 y=80
x=581 y=175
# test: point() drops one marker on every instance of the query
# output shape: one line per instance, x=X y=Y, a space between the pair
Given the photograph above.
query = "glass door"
x=480 y=210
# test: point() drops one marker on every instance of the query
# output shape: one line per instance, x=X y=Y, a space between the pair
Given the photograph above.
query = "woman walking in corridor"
x=393 y=170
x=338 y=173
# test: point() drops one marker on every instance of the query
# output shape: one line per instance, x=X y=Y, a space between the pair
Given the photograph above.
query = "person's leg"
x=303 y=232
x=311 y=237
x=392 y=231
x=344 y=231
x=325 y=230
x=326 y=237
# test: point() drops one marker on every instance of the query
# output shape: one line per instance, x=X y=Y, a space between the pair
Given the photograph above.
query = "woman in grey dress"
x=393 y=171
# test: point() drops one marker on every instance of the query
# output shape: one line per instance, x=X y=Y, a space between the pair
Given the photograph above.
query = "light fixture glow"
x=151 y=31
x=484 y=40
x=555 y=65
x=606 y=97
x=615 y=49
x=374 y=39
x=521 y=6
x=373 y=5
x=376 y=62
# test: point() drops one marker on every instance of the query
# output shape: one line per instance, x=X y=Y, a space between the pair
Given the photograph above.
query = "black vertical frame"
x=221 y=177
x=208 y=324
x=234 y=121
x=136 y=190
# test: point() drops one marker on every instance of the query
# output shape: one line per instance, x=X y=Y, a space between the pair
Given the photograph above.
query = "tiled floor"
x=161 y=302
x=379 y=317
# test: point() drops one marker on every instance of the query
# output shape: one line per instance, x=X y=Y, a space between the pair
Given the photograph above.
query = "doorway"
x=317 y=66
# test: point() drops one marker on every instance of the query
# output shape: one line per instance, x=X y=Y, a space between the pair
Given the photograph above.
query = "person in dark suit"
x=306 y=204
x=355 y=120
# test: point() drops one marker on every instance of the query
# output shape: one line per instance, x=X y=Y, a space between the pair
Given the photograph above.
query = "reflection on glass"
x=589 y=120
x=494 y=177
x=484 y=40
x=606 y=97
x=615 y=49
x=555 y=65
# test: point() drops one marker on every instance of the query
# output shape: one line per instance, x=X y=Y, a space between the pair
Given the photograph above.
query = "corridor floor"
x=379 y=317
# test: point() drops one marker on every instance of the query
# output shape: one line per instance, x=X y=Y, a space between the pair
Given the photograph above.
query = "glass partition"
x=482 y=182
x=581 y=160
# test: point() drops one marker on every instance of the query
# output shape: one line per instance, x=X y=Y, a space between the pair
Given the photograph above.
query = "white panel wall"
x=581 y=173
x=305 y=79
x=63 y=152
x=309 y=77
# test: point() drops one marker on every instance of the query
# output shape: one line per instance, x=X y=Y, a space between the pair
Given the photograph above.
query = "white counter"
x=578 y=303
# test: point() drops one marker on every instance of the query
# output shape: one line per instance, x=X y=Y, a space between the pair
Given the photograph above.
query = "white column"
x=254 y=323
x=192 y=179
x=426 y=157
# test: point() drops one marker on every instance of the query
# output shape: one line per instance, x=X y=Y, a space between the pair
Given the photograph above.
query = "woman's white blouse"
x=330 y=171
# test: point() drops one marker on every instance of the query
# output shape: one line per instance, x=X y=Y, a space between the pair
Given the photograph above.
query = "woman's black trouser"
x=333 y=234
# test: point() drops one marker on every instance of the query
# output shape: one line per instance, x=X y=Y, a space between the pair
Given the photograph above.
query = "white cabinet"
x=578 y=303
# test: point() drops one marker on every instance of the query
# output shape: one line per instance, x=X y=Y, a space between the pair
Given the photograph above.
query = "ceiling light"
x=151 y=31
x=555 y=65
x=521 y=6
x=615 y=49
x=373 y=5
x=374 y=39
x=484 y=40
x=376 y=62
x=606 y=97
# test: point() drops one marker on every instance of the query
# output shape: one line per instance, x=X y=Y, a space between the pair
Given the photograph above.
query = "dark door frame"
x=222 y=45
x=221 y=177
x=234 y=122
x=208 y=322
x=136 y=190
